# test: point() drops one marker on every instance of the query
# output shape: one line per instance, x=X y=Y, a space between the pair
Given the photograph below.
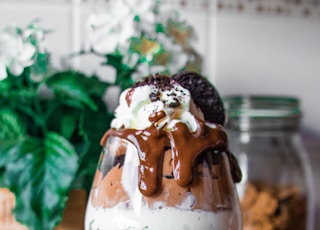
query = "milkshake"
x=165 y=162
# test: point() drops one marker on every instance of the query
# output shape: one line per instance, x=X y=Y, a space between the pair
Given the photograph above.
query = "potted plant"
x=51 y=121
x=48 y=120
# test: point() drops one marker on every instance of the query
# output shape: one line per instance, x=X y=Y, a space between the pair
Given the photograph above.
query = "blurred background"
x=265 y=47
x=249 y=46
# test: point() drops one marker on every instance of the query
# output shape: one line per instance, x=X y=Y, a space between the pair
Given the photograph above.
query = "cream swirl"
x=175 y=102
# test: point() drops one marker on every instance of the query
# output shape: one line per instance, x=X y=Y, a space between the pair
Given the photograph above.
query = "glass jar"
x=130 y=192
x=276 y=191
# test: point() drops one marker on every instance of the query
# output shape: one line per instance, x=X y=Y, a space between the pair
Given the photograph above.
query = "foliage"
x=48 y=140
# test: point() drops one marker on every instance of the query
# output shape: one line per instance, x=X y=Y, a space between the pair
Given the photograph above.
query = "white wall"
x=271 y=55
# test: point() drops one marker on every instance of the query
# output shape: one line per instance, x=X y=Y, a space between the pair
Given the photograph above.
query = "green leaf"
x=40 y=173
x=8 y=150
x=124 y=72
x=124 y=79
x=5 y=84
x=68 y=124
x=19 y=95
x=94 y=132
x=115 y=60
x=72 y=85
x=11 y=127
x=95 y=86
x=160 y=28
x=63 y=119
x=40 y=67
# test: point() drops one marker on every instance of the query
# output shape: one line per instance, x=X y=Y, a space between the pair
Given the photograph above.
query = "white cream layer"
x=119 y=218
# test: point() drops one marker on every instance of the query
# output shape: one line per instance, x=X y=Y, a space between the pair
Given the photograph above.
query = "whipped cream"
x=136 y=113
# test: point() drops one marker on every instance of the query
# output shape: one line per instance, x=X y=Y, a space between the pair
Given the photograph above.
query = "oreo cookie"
x=204 y=95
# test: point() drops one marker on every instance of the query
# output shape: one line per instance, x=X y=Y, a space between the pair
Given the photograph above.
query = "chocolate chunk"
x=204 y=95
x=154 y=96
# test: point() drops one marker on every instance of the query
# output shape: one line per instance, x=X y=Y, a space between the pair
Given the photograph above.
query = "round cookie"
x=204 y=95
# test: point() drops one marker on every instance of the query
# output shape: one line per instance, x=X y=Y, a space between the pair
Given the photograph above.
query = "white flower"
x=166 y=14
x=141 y=7
x=36 y=35
x=114 y=26
x=144 y=9
x=178 y=57
x=108 y=30
x=130 y=59
x=132 y=28
x=3 y=71
x=15 y=53
x=19 y=48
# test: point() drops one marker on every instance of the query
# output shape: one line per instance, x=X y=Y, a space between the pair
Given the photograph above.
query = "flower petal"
x=27 y=53
x=16 y=68
x=105 y=46
x=3 y=71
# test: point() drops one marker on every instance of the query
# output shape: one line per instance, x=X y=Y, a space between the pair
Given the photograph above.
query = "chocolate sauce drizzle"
x=186 y=147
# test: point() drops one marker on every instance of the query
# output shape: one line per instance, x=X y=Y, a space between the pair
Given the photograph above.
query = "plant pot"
x=73 y=214
x=7 y=203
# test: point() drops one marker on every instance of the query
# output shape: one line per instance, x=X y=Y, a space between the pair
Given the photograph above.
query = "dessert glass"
x=165 y=162
x=128 y=192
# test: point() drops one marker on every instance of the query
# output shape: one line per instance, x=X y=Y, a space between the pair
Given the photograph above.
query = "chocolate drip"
x=186 y=147
x=157 y=116
x=150 y=144
x=129 y=96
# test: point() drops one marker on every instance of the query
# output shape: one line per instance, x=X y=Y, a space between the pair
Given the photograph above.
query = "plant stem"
x=40 y=116
x=37 y=114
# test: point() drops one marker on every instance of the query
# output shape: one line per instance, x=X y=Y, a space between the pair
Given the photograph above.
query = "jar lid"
x=262 y=106
x=248 y=110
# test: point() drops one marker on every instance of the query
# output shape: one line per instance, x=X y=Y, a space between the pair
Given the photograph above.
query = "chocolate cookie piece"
x=160 y=81
x=204 y=95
